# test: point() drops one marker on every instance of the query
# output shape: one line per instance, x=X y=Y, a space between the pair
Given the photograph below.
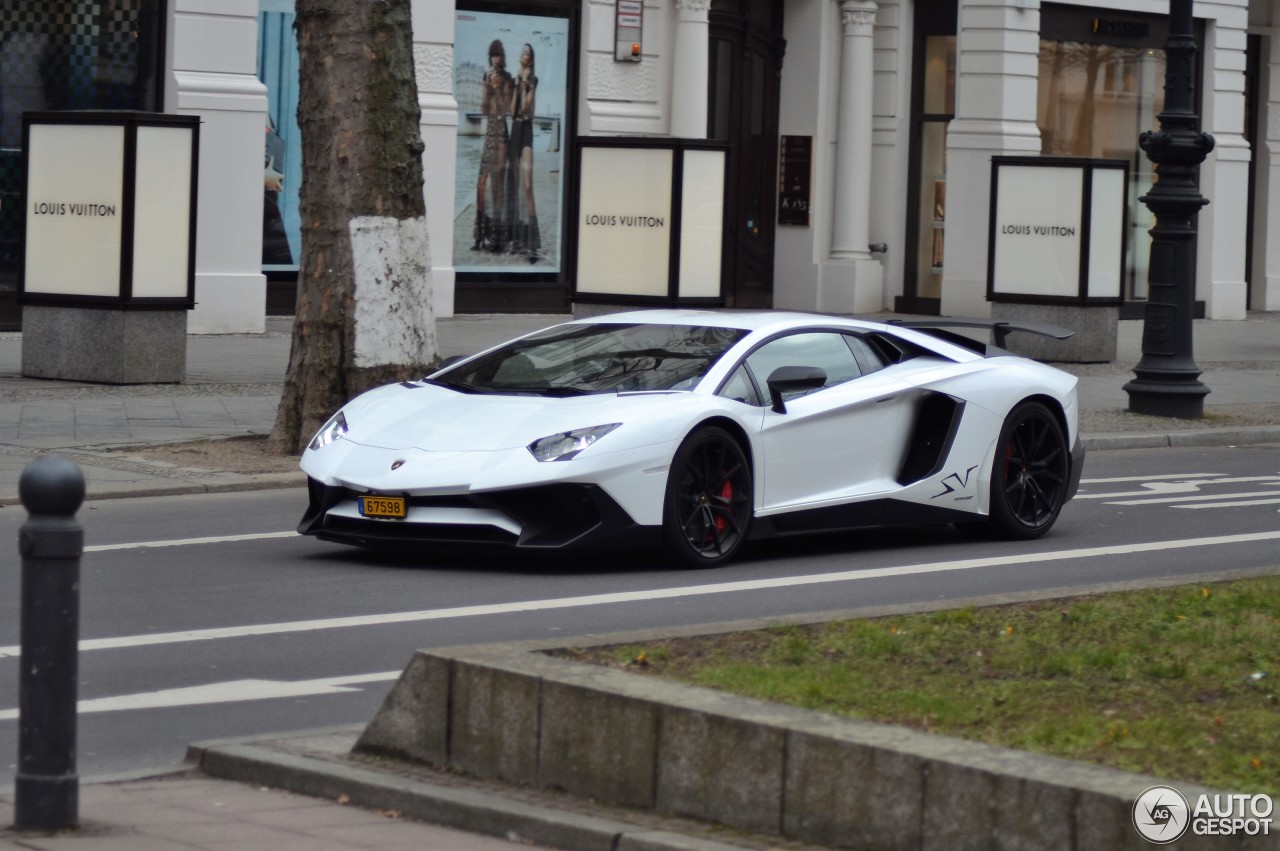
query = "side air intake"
x=937 y=418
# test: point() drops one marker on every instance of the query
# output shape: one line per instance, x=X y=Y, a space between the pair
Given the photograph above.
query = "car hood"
x=437 y=419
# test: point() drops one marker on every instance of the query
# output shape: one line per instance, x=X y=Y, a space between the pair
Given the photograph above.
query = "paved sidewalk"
x=232 y=388
x=189 y=810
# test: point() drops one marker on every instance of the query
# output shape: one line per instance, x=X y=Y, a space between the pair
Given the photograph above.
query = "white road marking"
x=652 y=594
x=1174 y=476
x=1230 y=504
x=228 y=692
x=1153 y=488
x=1200 y=497
x=184 y=542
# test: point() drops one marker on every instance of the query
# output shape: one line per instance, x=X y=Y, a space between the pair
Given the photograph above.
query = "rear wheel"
x=707 y=511
x=1029 y=477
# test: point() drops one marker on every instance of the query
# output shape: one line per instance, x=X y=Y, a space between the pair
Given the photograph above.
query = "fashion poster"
x=282 y=142
x=510 y=79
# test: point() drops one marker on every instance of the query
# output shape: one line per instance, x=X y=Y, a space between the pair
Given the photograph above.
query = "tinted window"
x=603 y=358
x=869 y=359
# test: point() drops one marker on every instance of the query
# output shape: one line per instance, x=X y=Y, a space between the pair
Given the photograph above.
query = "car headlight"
x=330 y=431
x=567 y=444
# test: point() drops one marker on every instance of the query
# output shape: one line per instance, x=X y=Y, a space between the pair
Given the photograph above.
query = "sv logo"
x=961 y=482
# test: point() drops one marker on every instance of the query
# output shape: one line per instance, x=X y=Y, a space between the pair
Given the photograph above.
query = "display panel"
x=510 y=82
x=1038 y=228
x=702 y=224
x=75 y=209
x=624 y=231
x=162 y=212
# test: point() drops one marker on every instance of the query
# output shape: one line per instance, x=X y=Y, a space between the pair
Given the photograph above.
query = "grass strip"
x=1180 y=682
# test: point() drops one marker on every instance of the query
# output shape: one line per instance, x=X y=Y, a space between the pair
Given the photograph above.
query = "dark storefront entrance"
x=746 y=62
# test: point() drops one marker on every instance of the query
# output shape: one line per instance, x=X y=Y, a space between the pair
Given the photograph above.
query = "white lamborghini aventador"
x=700 y=430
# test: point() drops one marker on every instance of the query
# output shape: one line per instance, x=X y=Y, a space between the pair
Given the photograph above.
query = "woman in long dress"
x=492 y=228
x=526 y=239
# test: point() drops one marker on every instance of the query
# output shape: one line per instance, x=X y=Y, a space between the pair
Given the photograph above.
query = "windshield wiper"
x=460 y=386
x=545 y=390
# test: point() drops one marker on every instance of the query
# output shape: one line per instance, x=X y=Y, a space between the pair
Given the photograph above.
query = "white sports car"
x=700 y=430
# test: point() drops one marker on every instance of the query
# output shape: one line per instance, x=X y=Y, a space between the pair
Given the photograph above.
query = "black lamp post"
x=1167 y=382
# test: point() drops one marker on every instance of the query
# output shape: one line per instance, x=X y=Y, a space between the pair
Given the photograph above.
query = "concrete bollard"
x=46 y=789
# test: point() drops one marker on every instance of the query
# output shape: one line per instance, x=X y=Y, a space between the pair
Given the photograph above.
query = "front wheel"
x=1030 y=474
x=707 y=511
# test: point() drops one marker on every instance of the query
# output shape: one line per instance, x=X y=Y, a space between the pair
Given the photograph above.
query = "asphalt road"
x=205 y=616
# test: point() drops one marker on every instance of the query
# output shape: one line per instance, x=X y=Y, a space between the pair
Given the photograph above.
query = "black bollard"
x=46 y=789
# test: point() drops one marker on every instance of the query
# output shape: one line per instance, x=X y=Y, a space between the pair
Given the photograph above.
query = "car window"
x=869 y=359
x=740 y=389
x=596 y=358
x=823 y=349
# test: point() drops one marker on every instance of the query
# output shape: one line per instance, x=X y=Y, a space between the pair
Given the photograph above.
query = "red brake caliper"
x=726 y=493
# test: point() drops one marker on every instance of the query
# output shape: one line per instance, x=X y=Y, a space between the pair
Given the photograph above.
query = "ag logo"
x=1161 y=814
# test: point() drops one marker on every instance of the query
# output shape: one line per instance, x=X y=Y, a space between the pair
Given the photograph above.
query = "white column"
x=850 y=232
x=433 y=69
x=997 y=66
x=1224 y=178
x=1266 y=286
x=689 y=74
x=214 y=50
x=851 y=280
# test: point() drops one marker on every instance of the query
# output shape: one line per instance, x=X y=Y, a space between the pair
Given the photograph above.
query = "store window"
x=91 y=54
x=281 y=154
x=513 y=77
x=939 y=106
x=1101 y=85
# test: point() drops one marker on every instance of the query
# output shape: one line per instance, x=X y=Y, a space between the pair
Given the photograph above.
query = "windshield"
x=575 y=359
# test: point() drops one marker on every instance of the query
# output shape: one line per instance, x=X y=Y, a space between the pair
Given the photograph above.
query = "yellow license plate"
x=384 y=506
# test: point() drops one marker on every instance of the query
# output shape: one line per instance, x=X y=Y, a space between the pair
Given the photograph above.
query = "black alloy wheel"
x=708 y=507
x=1031 y=470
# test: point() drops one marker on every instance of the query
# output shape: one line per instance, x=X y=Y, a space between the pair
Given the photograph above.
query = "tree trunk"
x=364 y=314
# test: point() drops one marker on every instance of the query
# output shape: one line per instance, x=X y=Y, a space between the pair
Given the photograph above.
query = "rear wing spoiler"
x=1000 y=330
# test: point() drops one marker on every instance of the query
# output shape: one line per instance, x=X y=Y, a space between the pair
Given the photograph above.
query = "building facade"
x=858 y=134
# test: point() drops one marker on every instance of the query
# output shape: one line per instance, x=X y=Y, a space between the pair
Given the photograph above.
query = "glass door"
x=746 y=59
x=932 y=108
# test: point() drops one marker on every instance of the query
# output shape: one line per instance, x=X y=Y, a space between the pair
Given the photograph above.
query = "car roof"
x=768 y=322
x=746 y=320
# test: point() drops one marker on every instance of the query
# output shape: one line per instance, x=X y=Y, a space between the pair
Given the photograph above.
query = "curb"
x=268 y=481
x=1177 y=439
x=462 y=809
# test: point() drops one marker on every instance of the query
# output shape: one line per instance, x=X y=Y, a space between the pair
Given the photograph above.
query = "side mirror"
x=788 y=379
x=449 y=361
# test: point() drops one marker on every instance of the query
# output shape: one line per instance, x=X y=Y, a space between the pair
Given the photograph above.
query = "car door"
x=836 y=442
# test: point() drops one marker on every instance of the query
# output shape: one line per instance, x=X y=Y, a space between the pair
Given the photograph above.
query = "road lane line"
x=234 y=691
x=1229 y=504
x=653 y=594
x=183 y=542
x=1156 y=488
x=1174 y=476
x=1200 y=497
